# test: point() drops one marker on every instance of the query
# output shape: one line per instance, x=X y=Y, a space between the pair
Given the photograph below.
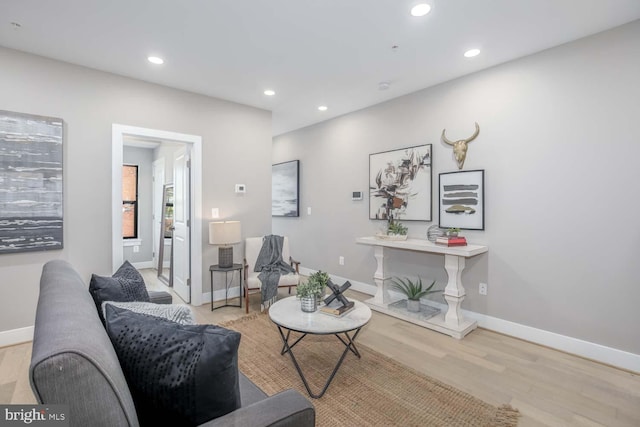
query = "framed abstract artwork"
x=461 y=200
x=30 y=182
x=285 y=189
x=400 y=184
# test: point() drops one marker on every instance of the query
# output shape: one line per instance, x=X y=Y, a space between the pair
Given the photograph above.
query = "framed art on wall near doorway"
x=30 y=183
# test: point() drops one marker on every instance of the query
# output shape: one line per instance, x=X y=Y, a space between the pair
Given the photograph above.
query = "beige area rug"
x=372 y=391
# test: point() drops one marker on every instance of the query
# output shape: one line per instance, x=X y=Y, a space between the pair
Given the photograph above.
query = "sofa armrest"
x=288 y=408
x=160 y=297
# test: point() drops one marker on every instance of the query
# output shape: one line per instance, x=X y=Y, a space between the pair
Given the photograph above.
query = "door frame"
x=156 y=199
x=117 y=142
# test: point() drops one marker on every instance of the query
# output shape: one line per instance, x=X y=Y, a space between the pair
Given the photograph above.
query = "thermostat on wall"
x=356 y=195
x=241 y=188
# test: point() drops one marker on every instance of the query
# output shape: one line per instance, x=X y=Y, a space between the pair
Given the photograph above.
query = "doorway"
x=191 y=267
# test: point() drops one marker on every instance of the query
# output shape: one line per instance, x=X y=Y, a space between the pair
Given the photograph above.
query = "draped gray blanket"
x=271 y=267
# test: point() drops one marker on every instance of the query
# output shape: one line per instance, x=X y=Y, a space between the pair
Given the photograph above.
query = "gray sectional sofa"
x=74 y=363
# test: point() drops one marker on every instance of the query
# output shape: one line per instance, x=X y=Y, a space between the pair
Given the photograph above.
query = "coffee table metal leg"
x=349 y=346
x=286 y=340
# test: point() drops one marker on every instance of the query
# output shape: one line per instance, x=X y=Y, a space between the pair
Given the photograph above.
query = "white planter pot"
x=413 y=305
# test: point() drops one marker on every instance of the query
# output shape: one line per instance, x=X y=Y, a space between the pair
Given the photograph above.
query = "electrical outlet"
x=309 y=210
x=482 y=289
x=341 y=260
x=136 y=249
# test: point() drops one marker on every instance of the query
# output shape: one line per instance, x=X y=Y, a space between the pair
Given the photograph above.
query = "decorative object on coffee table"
x=319 y=280
x=225 y=234
x=413 y=291
x=337 y=296
x=307 y=292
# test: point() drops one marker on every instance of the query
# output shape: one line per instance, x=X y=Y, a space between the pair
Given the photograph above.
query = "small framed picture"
x=461 y=200
x=285 y=189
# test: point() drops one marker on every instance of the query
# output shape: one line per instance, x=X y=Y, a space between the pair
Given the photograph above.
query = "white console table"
x=452 y=322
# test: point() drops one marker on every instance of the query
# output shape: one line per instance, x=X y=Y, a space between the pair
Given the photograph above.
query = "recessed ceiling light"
x=471 y=53
x=384 y=85
x=155 y=60
x=420 y=9
x=269 y=92
x=322 y=108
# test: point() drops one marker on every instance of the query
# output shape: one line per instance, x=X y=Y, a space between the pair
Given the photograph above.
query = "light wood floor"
x=549 y=387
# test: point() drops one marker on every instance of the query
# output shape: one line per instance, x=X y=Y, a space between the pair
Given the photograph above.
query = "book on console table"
x=451 y=241
x=337 y=309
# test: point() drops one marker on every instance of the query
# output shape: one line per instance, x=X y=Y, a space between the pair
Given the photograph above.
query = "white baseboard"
x=16 y=336
x=218 y=295
x=589 y=350
x=143 y=264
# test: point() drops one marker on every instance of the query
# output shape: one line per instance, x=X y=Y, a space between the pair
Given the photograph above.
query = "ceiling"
x=310 y=52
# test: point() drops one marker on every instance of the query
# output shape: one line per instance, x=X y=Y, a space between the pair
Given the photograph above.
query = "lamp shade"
x=224 y=232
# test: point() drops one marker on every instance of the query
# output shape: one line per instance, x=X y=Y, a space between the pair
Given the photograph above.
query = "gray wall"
x=560 y=144
x=90 y=102
x=143 y=158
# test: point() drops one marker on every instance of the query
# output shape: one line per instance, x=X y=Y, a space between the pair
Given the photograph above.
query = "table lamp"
x=225 y=234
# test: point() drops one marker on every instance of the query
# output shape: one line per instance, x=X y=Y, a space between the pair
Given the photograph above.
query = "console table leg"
x=454 y=292
x=382 y=296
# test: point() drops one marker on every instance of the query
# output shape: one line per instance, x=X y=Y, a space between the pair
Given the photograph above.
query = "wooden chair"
x=252 y=246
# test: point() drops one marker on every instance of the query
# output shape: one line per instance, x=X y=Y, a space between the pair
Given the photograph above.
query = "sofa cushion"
x=175 y=312
x=177 y=374
x=126 y=285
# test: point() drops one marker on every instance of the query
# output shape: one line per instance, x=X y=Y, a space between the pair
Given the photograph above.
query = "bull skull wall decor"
x=460 y=147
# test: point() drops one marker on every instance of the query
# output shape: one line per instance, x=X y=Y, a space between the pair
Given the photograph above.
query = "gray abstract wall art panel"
x=30 y=182
x=285 y=189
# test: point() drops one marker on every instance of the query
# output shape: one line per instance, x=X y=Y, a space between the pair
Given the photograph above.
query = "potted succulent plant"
x=311 y=291
x=395 y=231
x=452 y=232
x=413 y=291
x=396 y=228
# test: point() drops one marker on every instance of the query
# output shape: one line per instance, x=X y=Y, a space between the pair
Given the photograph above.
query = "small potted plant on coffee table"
x=311 y=290
x=413 y=291
x=319 y=281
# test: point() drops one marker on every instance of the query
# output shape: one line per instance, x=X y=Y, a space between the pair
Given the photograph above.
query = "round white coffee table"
x=287 y=315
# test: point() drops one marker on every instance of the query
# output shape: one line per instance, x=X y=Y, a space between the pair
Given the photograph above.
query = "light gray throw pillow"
x=181 y=314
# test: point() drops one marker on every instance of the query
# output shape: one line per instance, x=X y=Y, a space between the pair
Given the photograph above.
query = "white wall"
x=89 y=102
x=560 y=145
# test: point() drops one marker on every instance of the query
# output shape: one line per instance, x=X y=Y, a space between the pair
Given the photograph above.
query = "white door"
x=158 y=182
x=181 y=222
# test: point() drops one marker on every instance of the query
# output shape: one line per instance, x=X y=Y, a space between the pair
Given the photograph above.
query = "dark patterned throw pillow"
x=178 y=374
x=126 y=285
